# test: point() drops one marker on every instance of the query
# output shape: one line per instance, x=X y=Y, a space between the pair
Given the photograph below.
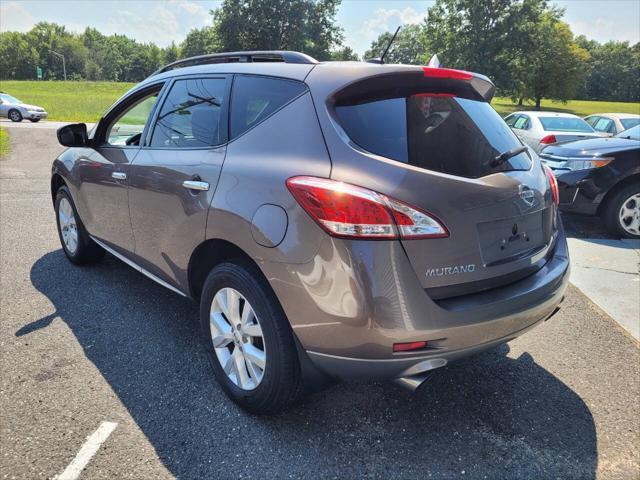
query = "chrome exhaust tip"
x=414 y=382
x=418 y=374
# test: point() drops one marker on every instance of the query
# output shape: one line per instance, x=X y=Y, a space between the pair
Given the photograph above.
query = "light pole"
x=64 y=68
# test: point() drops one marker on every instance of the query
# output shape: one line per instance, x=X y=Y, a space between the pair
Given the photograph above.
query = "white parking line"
x=88 y=450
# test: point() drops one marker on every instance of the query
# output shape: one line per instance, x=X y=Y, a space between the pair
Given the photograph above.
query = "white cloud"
x=14 y=17
x=389 y=19
x=603 y=30
x=193 y=8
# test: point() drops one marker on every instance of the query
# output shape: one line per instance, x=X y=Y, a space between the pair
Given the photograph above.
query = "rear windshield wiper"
x=503 y=157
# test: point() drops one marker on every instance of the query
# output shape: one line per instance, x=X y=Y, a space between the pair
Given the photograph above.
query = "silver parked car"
x=539 y=129
x=334 y=220
x=15 y=110
x=612 y=123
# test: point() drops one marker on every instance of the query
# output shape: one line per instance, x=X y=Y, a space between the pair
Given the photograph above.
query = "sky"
x=163 y=21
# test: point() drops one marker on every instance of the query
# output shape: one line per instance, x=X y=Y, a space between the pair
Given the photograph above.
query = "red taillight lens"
x=548 y=139
x=349 y=211
x=406 y=347
x=553 y=183
x=446 y=73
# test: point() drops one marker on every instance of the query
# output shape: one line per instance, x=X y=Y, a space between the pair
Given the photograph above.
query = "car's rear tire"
x=74 y=238
x=14 y=115
x=621 y=213
x=254 y=357
x=34 y=120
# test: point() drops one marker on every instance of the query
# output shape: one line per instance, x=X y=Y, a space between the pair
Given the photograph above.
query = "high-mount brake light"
x=548 y=139
x=348 y=211
x=445 y=95
x=446 y=73
x=553 y=183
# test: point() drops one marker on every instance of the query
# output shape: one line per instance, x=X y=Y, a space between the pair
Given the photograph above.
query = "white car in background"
x=612 y=123
x=539 y=129
x=15 y=110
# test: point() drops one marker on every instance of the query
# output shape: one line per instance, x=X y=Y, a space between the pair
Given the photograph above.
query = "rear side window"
x=604 y=125
x=254 y=98
x=192 y=116
x=630 y=122
x=521 y=123
x=445 y=134
x=565 y=124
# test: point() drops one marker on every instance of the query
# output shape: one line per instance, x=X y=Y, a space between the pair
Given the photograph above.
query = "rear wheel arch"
x=210 y=253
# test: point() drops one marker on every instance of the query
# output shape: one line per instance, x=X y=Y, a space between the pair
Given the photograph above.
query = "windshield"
x=628 y=123
x=9 y=99
x=565 y=124
x=633 y=133
x=436 y=132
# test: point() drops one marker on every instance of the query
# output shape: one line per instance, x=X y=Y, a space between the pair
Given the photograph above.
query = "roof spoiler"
x=283 y=56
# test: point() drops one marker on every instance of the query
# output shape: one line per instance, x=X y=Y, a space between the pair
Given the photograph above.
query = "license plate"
x=511 y=238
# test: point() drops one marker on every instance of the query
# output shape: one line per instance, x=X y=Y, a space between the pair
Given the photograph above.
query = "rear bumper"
x=356 y=299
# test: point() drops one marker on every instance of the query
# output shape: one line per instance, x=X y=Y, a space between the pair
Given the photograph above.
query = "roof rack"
x=240 y=57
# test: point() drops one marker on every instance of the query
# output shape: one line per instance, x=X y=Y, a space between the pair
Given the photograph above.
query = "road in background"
x=83 y=346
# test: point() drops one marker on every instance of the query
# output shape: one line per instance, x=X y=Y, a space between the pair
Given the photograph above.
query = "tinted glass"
x=521 y=123
x=192 y=115
x=592 y=120
x=603 y=125
x=450 y=135
x=10 y=99
x=630 y=122
x=511 y=120
x=128 y=127
x=565 y=124
x=255 y=98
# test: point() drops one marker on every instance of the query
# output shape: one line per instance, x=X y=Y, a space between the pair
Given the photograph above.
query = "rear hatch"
x=443 y=140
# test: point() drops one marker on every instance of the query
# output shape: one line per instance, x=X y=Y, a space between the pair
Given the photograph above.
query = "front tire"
x=248 y=340
x=34 y=120
x=75 y=240
x=15 y=115
x=622 y=212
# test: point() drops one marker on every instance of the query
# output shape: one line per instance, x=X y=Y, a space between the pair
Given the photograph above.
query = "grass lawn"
x=86 y=101
x=68 y=101
x=4 y=142
x=582 y=108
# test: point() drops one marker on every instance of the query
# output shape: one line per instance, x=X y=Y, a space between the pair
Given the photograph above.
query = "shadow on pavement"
x=489 y=415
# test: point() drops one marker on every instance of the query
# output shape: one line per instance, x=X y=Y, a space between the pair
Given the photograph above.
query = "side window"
x=592 y=120
x=192 y=115
x=511 y=120
x=603 y=125
x=521 y=123
x=255 y=98
x=127 y=128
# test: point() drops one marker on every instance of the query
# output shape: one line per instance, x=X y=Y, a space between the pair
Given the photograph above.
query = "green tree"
x=344 y=54
x=171 y=53
x=200 y=41
x=303 y=25
x=408 y=47
x=18 y=59
x=556 y=65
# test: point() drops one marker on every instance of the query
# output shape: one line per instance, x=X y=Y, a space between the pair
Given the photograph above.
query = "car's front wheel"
x=75 y=240
x=15 y=115
x=248 y=339
x=622 y=212
x=34 y=120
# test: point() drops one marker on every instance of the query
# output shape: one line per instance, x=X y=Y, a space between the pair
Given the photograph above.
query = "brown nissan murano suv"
x=335 y=220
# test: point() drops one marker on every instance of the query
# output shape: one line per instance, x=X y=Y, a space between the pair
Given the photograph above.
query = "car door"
x=3 y=108
x=174 y=177
x=103 y=174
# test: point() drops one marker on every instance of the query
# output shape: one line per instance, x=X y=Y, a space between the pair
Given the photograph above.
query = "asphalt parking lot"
x=83 y=346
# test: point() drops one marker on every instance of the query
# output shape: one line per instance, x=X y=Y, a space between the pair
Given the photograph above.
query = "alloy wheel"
x=68 y=226
x=15 y=115
x=237 y=338
x=629 y=215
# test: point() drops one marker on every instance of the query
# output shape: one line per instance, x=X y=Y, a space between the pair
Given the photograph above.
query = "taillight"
x=553 y=183
x=349 y=211
x=446 y=73
x=548 y=139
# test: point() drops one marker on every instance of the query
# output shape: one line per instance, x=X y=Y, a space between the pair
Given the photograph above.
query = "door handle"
x=195 y=185
x=119 y=175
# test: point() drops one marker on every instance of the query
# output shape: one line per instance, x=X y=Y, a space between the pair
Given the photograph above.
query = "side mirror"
x=74 y=135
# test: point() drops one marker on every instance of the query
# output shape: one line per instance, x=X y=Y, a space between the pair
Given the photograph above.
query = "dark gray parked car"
x=334 y=220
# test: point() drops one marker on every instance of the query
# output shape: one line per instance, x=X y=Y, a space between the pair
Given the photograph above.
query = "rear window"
x=630 y=122
x=445 y=134
x=565 y=124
